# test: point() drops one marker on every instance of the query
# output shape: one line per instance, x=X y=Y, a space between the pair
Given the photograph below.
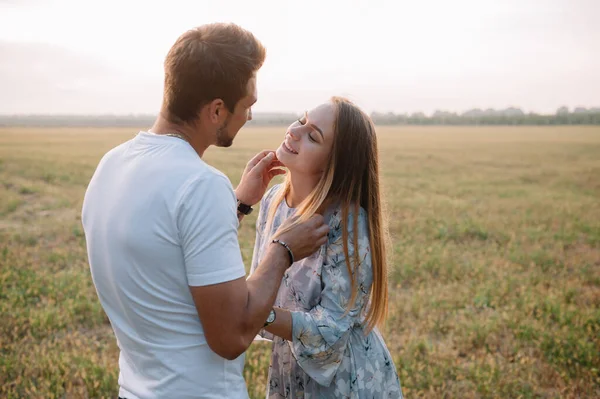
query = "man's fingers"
x=267 y=159
x=317 y=219
x=323 y=231
x=322 y=241
x=262 y=165
x=258 y=157
x=276 y=172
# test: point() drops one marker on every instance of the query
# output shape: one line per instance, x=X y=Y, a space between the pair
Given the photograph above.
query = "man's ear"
x=217 y=111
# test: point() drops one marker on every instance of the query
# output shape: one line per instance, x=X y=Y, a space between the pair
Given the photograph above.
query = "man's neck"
x=301 y=187
x=188 y=132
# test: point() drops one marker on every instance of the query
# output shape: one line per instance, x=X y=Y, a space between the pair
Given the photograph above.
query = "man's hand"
x=256 y=177
x=306 y=238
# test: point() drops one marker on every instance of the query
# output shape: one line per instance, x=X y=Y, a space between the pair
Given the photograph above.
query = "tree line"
x=509 y=116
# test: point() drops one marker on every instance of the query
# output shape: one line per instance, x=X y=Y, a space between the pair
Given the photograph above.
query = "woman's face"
x=308 y=141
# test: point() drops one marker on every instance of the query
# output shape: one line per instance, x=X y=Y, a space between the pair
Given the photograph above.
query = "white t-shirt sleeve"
x=207 y=223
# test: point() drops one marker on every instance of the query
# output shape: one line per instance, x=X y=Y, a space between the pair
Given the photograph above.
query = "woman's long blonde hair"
x=351 y=180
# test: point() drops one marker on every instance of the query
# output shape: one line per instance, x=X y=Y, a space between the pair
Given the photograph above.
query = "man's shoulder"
x=115 y=153
x=208 y=183
x=216 y=176
x=210 y=177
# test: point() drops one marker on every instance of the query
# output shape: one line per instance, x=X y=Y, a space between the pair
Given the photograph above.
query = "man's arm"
x=232 y=313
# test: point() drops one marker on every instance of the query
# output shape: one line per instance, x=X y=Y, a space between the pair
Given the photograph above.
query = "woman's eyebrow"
x=313 y=126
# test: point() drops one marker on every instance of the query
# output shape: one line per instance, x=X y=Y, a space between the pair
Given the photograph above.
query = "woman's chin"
x=282 y=156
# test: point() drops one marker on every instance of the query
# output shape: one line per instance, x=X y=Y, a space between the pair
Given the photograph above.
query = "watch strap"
x=243 y=208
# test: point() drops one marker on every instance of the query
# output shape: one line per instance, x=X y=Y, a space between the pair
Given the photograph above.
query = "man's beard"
x=223 y=137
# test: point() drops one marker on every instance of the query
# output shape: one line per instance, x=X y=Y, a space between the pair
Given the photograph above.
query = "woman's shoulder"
x=336 y=221
x=335 y=214
x=270 y=194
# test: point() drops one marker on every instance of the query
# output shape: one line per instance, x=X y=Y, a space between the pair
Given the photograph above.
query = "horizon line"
x=289 y=113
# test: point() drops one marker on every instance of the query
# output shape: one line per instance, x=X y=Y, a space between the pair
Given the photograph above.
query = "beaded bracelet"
x=288 y=249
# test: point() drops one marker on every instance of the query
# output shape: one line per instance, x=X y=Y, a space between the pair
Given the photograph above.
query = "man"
x=161 y=229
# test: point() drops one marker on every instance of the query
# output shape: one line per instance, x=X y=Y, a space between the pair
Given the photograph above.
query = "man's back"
x=152 y=230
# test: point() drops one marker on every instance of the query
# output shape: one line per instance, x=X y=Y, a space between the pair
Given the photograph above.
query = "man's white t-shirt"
x=157 y=219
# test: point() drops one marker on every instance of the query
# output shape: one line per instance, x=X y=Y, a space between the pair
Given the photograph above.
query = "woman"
x=325 y=340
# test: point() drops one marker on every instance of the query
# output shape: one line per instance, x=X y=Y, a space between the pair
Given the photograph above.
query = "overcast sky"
x=65 y=56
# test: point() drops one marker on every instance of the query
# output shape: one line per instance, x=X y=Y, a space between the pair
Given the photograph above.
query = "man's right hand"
x=305 y=238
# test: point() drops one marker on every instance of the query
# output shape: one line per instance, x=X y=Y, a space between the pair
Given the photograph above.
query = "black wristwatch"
x=270 y=319
x=243 y=208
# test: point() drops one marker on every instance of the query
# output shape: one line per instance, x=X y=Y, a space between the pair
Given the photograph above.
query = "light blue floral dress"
x=329 y=355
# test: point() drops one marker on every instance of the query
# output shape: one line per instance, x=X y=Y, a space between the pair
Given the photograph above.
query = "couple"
x=161 y=229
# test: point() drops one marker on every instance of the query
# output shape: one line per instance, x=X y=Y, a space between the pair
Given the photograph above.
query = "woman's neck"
x=301 y=186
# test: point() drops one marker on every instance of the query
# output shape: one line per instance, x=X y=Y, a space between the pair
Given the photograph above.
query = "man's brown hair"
x=209 y=62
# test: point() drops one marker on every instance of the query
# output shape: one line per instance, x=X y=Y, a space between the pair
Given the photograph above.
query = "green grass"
x=494 y=285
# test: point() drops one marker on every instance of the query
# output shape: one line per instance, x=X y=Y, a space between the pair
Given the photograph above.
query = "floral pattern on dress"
x=329 y=356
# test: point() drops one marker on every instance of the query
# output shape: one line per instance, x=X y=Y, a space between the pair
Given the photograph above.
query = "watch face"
x=271 y=317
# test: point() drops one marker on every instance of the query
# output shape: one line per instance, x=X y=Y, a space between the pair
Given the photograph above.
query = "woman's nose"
x=293 y=135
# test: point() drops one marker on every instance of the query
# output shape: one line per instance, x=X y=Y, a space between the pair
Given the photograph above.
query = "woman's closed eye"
x=302 y=121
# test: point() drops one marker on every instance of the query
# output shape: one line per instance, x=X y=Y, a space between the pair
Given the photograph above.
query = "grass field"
x=495 y=284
